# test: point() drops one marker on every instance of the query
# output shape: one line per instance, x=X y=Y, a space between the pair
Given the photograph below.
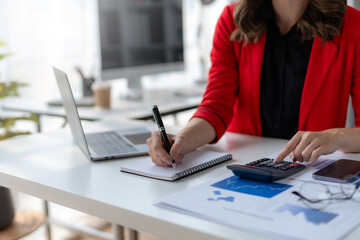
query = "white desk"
x=128 y=109
x=50 y=166
x=121 y=109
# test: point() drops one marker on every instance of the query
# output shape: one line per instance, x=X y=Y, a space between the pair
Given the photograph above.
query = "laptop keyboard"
x=108 y=143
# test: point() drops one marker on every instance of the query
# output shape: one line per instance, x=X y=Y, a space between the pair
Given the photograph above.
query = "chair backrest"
x=355 y=3
x=350 y=117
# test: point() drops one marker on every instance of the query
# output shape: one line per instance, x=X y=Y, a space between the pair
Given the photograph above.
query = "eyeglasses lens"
x=318 y=194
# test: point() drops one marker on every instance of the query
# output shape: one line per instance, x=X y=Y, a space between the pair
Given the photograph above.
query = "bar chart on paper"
x=312 y=216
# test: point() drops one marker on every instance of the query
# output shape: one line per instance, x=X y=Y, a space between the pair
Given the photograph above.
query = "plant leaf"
x=10 y=89
x=4 y=55
x=10 y=121
x=9 y=134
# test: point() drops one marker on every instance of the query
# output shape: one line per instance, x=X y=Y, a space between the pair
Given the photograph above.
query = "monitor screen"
x=140 y=37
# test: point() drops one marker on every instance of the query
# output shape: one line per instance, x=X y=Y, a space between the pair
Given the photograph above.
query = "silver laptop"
x=100 y=145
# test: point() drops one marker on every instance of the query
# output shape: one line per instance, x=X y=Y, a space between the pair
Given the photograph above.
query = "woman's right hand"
x=196 y=133
x=157 y=151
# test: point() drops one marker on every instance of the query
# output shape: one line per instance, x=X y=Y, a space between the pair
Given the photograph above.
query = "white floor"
x=23 y=202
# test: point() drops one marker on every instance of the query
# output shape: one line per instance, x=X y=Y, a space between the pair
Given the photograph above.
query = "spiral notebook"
x=192 y=162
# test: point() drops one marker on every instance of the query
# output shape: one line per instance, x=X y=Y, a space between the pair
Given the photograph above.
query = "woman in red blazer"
x=316 y=43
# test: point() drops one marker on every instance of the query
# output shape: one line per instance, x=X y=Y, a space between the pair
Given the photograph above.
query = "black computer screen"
x=140 y=32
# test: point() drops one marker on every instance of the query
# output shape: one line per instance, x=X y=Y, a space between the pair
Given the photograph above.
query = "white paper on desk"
x=270 y=209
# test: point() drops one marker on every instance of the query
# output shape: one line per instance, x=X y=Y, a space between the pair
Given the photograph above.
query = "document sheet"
x=270 y=208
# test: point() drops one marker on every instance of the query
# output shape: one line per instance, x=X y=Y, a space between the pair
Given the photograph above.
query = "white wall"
x=207 y=17
x=354 y=3
x=42 y=33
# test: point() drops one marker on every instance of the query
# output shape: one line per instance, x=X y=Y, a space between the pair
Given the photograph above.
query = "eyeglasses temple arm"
x=304 y=198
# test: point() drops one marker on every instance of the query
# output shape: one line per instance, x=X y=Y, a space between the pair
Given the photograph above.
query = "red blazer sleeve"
x=219 y=98
x=355 y=85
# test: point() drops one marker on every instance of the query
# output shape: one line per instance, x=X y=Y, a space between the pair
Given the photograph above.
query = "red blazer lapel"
x=255 y=55
x=320 y=61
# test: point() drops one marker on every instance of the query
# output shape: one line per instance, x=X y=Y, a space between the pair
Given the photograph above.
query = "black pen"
x=159 y=122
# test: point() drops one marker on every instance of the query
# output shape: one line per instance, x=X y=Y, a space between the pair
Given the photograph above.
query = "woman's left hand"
x=309 y=146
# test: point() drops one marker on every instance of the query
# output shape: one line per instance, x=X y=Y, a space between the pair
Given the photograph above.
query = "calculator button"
x=264 y=159
x=252 y=163
x=272 y=171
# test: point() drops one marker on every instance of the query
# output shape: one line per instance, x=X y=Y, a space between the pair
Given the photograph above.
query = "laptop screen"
x=72 y=114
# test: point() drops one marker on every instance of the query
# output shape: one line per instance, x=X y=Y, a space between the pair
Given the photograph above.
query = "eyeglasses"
x=319 y=196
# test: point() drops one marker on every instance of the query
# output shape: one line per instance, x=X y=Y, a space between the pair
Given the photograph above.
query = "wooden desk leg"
x=118 y=231
x=47 y=224
x=133 y=234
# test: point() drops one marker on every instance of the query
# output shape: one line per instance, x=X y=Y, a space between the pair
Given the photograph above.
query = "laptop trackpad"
x=138 y=138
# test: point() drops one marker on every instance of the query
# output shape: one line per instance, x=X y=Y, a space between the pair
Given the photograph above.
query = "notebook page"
x=146 y=167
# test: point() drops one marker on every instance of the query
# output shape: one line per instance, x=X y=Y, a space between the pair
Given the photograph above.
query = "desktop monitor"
x=140 y=37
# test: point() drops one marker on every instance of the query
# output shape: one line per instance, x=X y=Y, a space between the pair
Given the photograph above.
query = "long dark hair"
x=322 y=18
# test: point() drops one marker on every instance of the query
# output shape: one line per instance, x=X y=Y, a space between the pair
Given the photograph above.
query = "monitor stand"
x=135 y=91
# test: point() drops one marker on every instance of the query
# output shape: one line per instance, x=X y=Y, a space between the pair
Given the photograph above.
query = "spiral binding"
x=204 y=165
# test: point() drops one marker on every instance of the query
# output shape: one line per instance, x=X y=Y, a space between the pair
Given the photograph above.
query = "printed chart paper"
x=266 y=208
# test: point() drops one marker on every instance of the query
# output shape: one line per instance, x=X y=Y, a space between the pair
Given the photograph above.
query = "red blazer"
x=231 y=101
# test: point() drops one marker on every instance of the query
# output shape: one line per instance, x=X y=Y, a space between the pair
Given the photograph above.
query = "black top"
x=283 y=74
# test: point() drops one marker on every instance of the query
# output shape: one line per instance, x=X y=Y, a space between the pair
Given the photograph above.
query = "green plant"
x=10 y=89
x=2 y=55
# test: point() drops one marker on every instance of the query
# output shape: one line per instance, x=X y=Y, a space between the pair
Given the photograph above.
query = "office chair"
x=350 y=117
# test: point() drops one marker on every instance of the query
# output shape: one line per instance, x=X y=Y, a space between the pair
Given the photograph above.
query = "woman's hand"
x=309 y=146
x=157 y=151
x=196 y=133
